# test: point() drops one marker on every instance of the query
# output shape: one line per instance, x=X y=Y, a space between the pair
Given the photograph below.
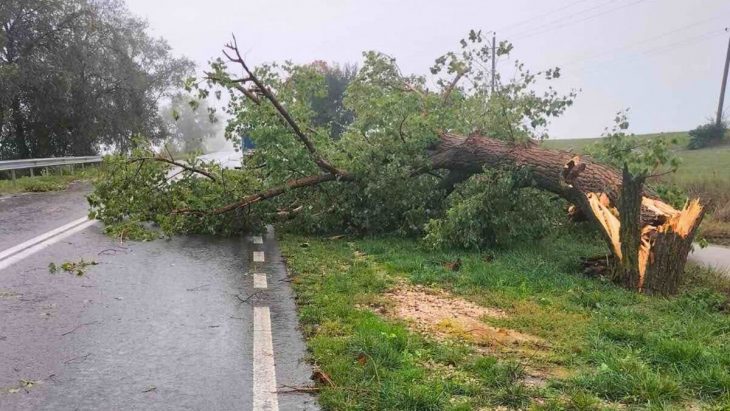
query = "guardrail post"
x=12 y=174
x=31 y=172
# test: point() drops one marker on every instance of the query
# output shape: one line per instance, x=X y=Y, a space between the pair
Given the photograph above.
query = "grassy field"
x=704 y=173
x=56 y=180
x=514 y=329
x=697 y=165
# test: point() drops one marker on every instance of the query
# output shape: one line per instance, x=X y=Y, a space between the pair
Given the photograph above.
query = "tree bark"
x=19 y=129
x=627 y=272
x=649 y=239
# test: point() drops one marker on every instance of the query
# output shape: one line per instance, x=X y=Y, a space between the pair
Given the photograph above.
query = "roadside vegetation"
x=549 y=337
x=56 y=179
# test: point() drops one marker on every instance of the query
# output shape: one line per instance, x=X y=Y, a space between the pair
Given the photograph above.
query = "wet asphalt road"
x=25 y=216
x=153 y=326
x=715 y=256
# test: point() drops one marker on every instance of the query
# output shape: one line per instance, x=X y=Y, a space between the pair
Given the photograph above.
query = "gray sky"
x=663 y=59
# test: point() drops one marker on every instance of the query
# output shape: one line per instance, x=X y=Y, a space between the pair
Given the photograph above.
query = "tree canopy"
x=79 y=74
x=384 y=148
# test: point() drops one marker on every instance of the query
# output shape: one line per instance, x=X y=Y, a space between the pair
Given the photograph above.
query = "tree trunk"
x=627 y=270
x=649 y=239
x=19 y=129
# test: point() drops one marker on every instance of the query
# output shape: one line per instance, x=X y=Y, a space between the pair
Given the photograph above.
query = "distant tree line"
x=76 y=75
x=329 y=108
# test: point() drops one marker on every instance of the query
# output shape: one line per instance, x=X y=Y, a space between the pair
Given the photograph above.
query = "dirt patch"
x=445 y=316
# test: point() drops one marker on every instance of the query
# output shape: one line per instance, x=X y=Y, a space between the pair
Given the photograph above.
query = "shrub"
x=491 y=209
x=706 y=135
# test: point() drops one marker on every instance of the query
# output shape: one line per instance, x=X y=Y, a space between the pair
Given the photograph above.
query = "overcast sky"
x=663 y=59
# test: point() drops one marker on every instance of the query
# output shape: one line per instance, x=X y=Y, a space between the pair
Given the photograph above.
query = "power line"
x=547 y=27
x=561 y=19
x=540 y=16
x=682 y=43
x=648 y=52
x=633 y=44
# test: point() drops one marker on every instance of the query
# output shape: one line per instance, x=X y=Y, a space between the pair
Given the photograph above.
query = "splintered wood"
x=668 y=222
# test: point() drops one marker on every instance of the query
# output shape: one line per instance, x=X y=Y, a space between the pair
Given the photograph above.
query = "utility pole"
x=724 y=83
x=494 y=63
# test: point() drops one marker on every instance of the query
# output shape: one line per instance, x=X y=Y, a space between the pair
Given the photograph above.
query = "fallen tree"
x=649 y=239
x=396 y=161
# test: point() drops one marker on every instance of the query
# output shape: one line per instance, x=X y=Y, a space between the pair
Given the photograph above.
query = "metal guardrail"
x=32 y=163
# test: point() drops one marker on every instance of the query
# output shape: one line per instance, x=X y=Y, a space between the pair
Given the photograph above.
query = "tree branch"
x=308 y=181
x=266 y=92
x=177 y=163
x=452 y=85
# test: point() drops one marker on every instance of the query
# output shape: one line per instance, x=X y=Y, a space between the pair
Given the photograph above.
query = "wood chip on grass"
x=443 y=316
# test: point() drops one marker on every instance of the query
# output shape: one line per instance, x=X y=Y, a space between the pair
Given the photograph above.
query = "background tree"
x=330 y=108
x=188 y=125
x=77 y=75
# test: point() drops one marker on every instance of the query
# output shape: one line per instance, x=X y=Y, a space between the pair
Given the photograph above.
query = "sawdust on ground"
x=445 y=316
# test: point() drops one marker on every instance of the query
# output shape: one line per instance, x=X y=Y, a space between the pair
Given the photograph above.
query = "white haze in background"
x=218 y=143
x=661 y=58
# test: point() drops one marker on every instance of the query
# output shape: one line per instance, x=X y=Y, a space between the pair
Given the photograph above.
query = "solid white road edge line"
x=257 y=239
x=259 y=280
x=264 y=373
x=35 y=240
x=7 y=262
x=258 y=256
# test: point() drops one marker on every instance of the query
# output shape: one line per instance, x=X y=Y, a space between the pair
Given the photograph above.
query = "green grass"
x=616 y=348
x=56 y=180
x=697 y=165
x=579 y=144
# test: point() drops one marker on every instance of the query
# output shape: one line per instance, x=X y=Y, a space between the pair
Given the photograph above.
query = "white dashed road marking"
x=259 y=280
x=258 y=256
x=257 y=239
x=264 y=374
x=23 y=250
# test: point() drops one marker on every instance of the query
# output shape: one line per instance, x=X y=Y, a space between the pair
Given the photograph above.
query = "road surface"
x=714 y=256
x=187 y=324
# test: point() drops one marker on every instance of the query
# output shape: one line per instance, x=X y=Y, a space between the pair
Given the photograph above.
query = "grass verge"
x=601 y=347
x=53 y=181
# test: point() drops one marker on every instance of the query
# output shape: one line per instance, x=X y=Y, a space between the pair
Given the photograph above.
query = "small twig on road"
x=243 y=300
x=198 y=288
x=79 y=326
x=293 y=389
x=113 y=251
x=150 y=389
x=236 y=318
x=76 y=359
